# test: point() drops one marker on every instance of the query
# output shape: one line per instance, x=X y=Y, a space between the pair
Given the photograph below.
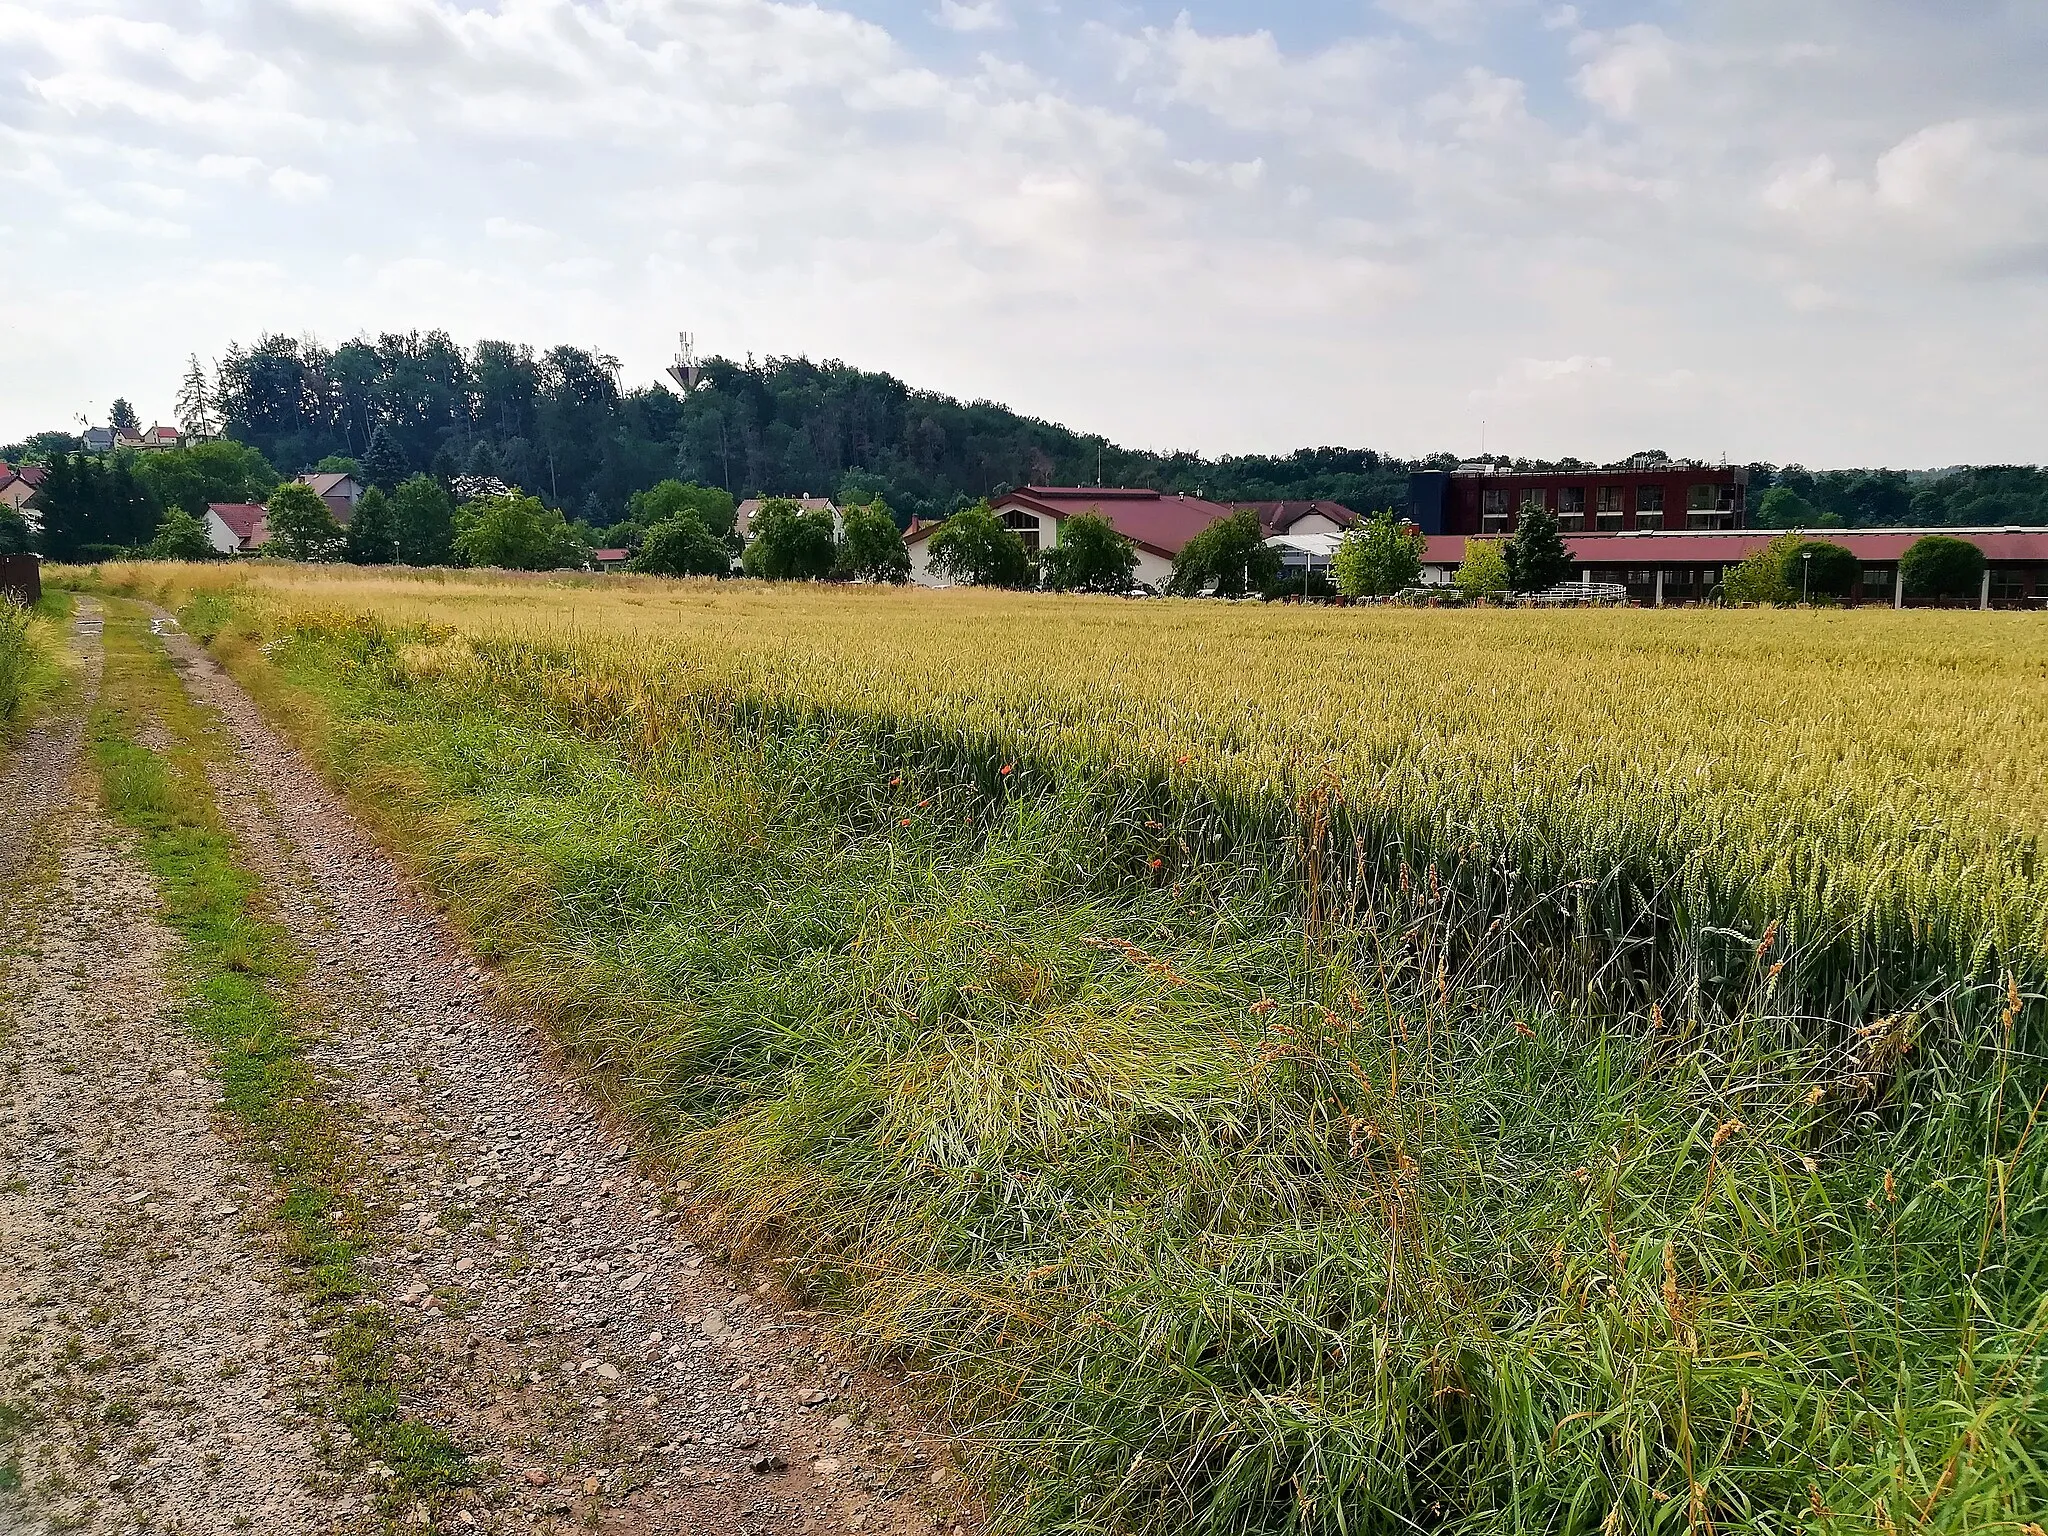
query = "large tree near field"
x=1379 y=558
x=1536 y=554
x=1939 y=569
x=871 y=546
x=1232 y=552
x=425 y=522
x=682 y=546
x=787 y=543
x=1091 y=556
x=516 y=533
x=974 y=548
x=301 y=526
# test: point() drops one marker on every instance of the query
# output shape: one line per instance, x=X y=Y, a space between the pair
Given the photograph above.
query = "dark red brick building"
x=1651 y=496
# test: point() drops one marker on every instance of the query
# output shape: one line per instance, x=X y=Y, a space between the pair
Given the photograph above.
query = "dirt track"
x=600 y=1366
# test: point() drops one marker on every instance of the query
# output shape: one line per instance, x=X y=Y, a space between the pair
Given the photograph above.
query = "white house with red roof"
x=237 y=528
x=1159 y=523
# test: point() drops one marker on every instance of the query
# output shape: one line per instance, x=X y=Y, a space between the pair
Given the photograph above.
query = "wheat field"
x=1280 y=1071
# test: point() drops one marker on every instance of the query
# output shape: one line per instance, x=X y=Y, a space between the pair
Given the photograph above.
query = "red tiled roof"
x=1159 y=522
x=1279 y=516
x=248 y=522
x=1879 y=546
x=611 y=554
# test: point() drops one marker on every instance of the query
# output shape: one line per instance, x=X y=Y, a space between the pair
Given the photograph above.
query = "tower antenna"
x=685 y=371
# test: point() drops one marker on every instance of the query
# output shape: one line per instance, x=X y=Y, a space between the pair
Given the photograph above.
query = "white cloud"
x=1815 y=231
x=1626 y=67
x=297 y=186
x=972 y=15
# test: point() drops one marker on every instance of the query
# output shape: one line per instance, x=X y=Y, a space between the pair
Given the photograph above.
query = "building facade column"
x=1660 y=586
x=1984 y=592
x=1899 y=585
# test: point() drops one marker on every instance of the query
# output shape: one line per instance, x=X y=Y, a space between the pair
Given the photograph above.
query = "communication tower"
x=685 y=371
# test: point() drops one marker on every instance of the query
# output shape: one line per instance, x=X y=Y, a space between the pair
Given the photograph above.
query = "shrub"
x=871 y=546
x=1232 y=552
x=1484 y=570
x=682 y=546
x=788 y=543
x=1941 y=569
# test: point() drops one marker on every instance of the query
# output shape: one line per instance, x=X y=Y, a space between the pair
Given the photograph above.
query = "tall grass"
x=1232 y=1169
x=22 y=661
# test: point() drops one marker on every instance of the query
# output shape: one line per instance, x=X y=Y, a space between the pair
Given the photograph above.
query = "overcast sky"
x=1811 y=230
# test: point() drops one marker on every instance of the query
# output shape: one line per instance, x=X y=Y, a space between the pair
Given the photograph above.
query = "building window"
x=1571 y=509
x=1493 y=509
x=1876 y=578
x=2011 y=583
x=1649 y=507
x=1025 y=526
x=1609 y=508
x=1710 y=506
x=1532 y=500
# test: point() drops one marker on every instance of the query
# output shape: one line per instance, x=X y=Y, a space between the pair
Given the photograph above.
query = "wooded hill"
x=558 y=423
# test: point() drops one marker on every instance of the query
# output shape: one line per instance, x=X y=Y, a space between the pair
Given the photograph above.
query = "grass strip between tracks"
x=242 y=993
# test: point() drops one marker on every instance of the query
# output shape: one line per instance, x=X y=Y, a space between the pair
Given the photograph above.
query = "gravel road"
x=565 y=1327
x=602 y=1368
x=146 y=1367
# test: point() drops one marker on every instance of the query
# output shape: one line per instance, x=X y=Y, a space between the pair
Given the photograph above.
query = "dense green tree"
x=301 y=526
x=1823 y=571
x=1484 y=570
x=425 y=522
x=41 y=448
x=516 y=533
x=713 y=508
x=974 y=548
x=1378 y=558
x=122 y=418
x=384 y=464
x=339 y=464
x=372 y=531
x=1091 y=556
x=1232 y=552
x=192 y=478
x=92 y=508
x=1939 y=569
x=1536 y=554
x=628 y=535
x=788 y=543
x=683 y=546
x=1783 y=507
x=180 y=536
x=16 y=537
x=871 y=546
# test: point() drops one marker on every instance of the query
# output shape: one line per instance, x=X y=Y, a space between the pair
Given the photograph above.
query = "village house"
x=743 y=518
x=237 y=528
x=17 y=486
x=340 y=492
x=1159 y=523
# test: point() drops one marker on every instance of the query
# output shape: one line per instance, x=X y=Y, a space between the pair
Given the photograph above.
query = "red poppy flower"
x=1006 y=770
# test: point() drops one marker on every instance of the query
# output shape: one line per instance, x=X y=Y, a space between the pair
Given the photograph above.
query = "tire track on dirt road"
x=562 y=1322
x=148 y=1369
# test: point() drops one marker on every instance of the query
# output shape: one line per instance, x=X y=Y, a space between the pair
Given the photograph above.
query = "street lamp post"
x=1805 y=574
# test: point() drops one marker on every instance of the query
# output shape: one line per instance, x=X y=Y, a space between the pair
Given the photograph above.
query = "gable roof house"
x=743 y=517
x=1160 y=523
x=237 y=528
x=1301 y=519
x=340 y=492
x=18 y=485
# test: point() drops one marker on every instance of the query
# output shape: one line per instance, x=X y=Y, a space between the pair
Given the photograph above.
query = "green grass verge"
x=1214 y=1208
x=31 y=667
x=241 y=981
